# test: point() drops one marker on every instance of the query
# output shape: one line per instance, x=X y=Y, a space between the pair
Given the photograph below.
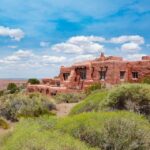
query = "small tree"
x=12 y=88
x=33 y=81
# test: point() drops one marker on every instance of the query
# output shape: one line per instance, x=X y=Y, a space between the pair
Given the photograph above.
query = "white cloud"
x=82 y=39
x=53 y=59
x=135 y=56
x=29 y=59
x=16 y=34
x=128 y=38
x=80 y=45
x=130 y=47
x=67 y=48
x=81 y=58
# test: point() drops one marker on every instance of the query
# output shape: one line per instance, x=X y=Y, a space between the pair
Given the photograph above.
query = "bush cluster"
x=133 y=97
x=33 y=81
x=109 y=130
x=30 y=135
x=15 y=105
x=3 y=123
x=69 y=97
x=91 y=103
x=118 y=128
x=93 y=87
x=12 y=88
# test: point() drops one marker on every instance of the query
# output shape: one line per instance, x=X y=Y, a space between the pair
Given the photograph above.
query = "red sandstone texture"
x=109 y=70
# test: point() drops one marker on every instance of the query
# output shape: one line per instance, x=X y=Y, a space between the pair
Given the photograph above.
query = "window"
x=66 y=75
x=82 y=73
x=122 y=74
x=58 y=84
x=135 y=75
x=102 y=75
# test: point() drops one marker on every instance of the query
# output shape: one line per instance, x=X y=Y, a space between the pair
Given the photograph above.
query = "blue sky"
x=38 y=36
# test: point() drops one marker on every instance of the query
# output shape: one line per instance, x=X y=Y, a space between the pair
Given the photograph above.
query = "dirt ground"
x=64 y=109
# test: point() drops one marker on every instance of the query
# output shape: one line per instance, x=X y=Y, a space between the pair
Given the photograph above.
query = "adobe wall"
x=112 y=65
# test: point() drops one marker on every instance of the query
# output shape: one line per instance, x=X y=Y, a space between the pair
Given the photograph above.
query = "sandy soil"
x=64 y=109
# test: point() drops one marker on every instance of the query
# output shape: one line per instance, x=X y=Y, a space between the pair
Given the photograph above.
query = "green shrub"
x=69 y=97
x=14 y=106
x=109 y=130
x=12 y=88
x=33 y=81
x=93 y=87
x=3 y=123
x=146 y=80
x=90 y=103
x=133 y=97
x=29 y=135
x=1 y=92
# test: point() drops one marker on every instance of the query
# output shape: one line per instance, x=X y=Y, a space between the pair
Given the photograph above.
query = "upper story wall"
x=146 y=58
x=117 y=70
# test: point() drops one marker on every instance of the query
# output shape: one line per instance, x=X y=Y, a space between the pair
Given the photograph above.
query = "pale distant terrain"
x=5 y=82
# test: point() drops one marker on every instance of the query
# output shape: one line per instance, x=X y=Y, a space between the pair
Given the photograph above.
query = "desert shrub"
x=1 y=92
x=33 y=81
x=3 y=123
x=32 y=105
x=29 y=135
x=91 y=103
x=12 y=88
x=69 y=97
x=146 y=80
x=133 y=97
x=93 y=87
x=109 y=130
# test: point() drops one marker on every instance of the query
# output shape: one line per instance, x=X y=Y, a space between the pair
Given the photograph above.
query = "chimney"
x=102 y=57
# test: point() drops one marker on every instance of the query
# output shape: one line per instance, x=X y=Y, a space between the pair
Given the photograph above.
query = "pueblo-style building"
x=109 y=70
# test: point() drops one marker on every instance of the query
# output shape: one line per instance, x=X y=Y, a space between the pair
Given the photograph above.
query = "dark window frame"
x=102 y=75
x=122 y=75
x=135 y=75
x=66 y=75
x=82 y=72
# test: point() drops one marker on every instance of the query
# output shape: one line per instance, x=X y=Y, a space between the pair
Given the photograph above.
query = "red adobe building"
x=109 y=70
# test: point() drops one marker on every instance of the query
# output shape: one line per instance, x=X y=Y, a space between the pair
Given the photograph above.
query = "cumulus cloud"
x=16 y=34
x=128 y=38
x=53 y=59
x=29 y=59
x=82 y=39
x=81 y=58
x=130 y=43
x=80 y=45
x=130 y=47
